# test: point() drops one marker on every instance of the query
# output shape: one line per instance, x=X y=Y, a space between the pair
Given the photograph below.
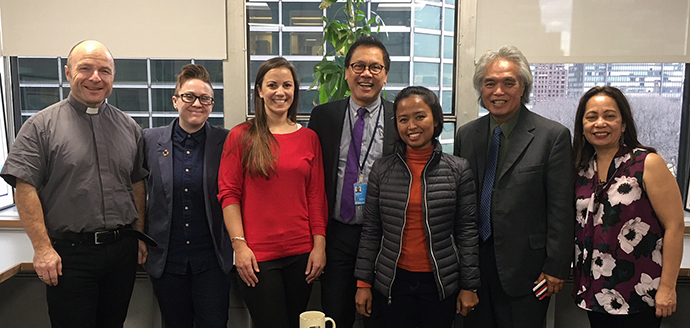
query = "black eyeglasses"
x=373 y=68
x=190 y=98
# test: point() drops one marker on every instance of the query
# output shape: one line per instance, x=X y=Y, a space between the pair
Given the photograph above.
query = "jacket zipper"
x=437 y=274
x=395 y=267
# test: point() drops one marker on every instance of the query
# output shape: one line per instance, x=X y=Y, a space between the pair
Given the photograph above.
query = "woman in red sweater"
x=271 y=187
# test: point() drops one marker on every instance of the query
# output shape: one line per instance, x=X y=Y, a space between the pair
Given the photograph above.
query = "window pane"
x=303 y=43
x=397 y=44
x=162 y=121
x=654 y=91
x=217 y=101
x=142 y=121
x=214 y=68
x=161 y=101
x=306 y=101
x=38 y=70
x=38 y=98
x=164 y=71
x=427 y=45
x=217 y=121
x=450 y=2
x=392 y=14
x=428 y=17
x=449 y=20
x=399 y=74
x=426 y=74
x=447 y=137
x=302 y=14
x=253 y=69
x=130 y=100
x=305 y=72
x=336 y=11
x=447 y=75
x=447 y=102
x=448 y=47
x=262 y=12
x=130 y=71
x=263 y=43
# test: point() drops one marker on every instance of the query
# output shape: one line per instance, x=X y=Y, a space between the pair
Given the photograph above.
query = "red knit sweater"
x=280 y=214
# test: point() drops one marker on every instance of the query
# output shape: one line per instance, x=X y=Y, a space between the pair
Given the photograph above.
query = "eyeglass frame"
x=365 y=67
x=183 y=95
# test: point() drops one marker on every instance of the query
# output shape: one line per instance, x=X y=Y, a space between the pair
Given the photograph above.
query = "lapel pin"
x=166 y=153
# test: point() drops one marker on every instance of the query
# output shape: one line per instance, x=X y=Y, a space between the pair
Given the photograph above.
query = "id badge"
x=360 y=193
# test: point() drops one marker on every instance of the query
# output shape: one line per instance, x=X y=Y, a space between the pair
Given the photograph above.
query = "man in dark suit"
x=367 y=64
x=190 y=267
x=523 y=165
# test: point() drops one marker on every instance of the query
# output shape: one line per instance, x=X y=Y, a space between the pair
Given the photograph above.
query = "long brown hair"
x=259 y=143
x=582 y=149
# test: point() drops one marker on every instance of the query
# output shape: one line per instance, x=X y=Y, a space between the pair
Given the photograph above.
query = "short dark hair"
x=582 y=149
x=369 y=41
x=429 y=98
x=190 y=72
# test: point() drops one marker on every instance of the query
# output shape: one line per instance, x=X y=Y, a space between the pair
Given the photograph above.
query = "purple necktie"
x=347 y=202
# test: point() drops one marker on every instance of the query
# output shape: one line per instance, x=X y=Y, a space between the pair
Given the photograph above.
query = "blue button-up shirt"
x=191 y=244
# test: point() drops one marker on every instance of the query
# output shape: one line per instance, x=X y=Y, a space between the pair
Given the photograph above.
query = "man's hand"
x=143 y=252
x=554 y=284
x=48 y=265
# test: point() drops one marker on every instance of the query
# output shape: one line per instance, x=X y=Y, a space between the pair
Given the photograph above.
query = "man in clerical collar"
x=77 y=166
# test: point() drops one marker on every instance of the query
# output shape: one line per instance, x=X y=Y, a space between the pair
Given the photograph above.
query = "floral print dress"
x=618 y=238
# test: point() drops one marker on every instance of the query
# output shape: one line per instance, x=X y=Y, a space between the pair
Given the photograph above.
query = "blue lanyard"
x=371 y=142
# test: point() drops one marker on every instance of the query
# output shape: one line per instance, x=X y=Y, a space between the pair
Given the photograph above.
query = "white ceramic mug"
x=314 y=319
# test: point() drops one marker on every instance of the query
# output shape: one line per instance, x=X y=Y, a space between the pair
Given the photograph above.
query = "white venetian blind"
x=129 y=28
x=587 y=31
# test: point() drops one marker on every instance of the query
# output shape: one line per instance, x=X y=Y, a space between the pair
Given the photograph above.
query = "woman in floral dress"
x=629 y=218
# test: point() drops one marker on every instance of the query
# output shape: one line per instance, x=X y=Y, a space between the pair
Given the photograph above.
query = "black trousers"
x=496 y=309
x=96 y=284
x=281 y=294
x=646 y=319
x=415 y=303
x=338 y=283
x=200 y=299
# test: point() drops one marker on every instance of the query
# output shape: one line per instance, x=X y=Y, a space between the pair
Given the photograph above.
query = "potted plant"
x=329 y=74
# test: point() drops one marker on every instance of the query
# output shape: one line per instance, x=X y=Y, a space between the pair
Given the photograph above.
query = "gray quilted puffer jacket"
x=449 y=206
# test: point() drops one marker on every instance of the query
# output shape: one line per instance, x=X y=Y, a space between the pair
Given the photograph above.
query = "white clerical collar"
x=92 y=110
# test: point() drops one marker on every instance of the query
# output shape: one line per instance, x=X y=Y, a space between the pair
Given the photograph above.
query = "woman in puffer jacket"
x=419 y=243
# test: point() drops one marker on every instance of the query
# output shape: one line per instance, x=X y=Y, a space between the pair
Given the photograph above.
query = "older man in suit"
x=190 y=267
x=523 y=165
x=365 y=119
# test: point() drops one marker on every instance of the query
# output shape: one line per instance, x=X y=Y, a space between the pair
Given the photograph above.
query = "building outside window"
x=143 y=88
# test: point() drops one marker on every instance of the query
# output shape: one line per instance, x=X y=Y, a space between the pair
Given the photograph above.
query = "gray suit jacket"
x=533 y=211
x=159 y=184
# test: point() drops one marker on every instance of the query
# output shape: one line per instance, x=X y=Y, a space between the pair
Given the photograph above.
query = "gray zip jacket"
x=449 y=207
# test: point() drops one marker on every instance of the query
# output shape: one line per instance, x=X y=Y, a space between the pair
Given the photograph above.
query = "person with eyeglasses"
x=354 y=132
x=272 y=192
x=189 y=269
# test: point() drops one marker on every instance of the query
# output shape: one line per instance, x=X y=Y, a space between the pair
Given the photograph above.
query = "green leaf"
x=326 y=3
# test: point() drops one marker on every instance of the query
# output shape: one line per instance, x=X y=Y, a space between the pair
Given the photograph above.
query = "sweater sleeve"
x=316 y=191
x=231 y=172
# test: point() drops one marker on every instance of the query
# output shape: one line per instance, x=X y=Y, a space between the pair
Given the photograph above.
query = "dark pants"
x=646 y=319
x=96 y=284
x=281 y=294
x=496 y=309
x=415 y=303
x=338 y=283
x=200 y=299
